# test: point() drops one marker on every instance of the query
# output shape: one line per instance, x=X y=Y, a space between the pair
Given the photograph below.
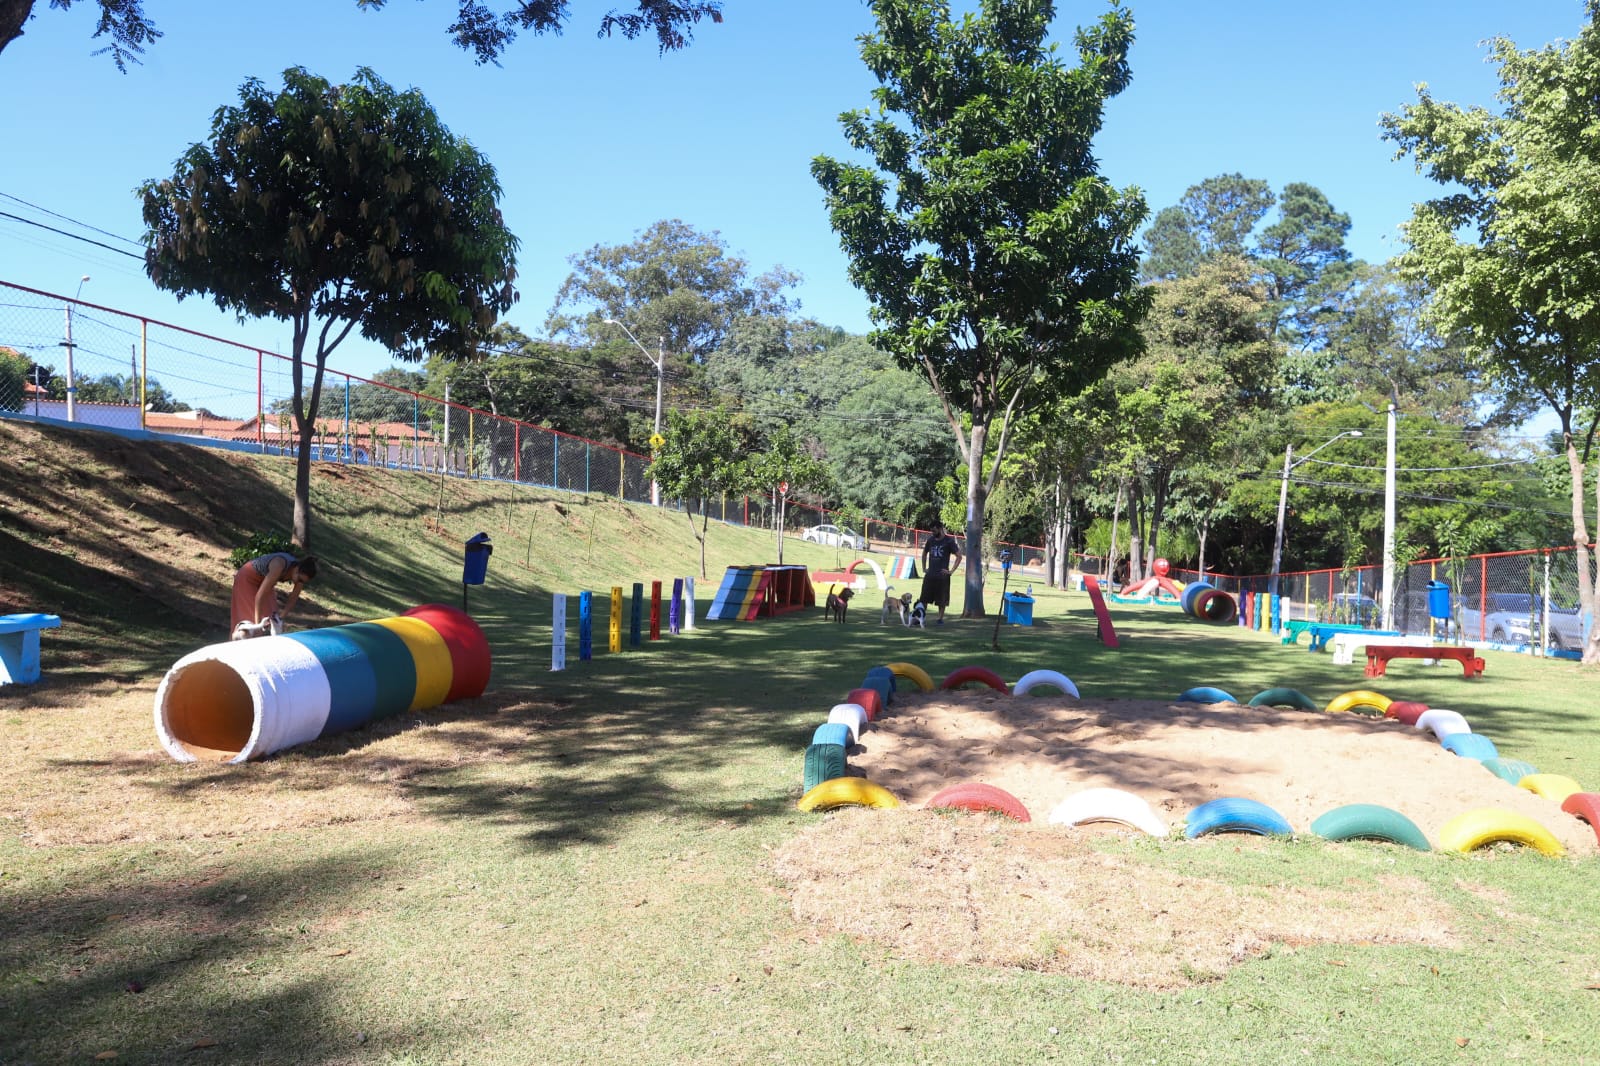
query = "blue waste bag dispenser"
x=475 y=567
x=1438 y=599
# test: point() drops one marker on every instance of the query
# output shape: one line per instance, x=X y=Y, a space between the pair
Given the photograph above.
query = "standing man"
x=940 y=556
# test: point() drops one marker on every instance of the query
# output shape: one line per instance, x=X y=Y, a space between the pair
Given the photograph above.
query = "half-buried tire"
x=1284 y=697
x=824 y=762
x=1034 y=678
x=977 y=796
x=1510 y=770
x=1234 y=814
x=1474 y=829
x=1585 y=805
x=1370 y=821
x=846 y=792
x=968 y=674
x=1108 y=805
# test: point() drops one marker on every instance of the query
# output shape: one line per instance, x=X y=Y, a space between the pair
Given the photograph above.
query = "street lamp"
x=1289 y=463
x=659 y=361
x=72 y=384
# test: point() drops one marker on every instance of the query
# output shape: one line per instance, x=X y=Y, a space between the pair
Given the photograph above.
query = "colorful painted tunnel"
x=247 y=699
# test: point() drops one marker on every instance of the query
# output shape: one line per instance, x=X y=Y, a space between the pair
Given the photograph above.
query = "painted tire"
x=1233 y=814
x=1406 y=711
x=883 y=672
x=1509 y=770
x=1214 y=605
x=869 y=701
x=470 y=660
x=1474 y=829
x=1204 y=695
x=882 y=686
x=1553 y=787
x=1190 y=591
x=1369 y=821
x=850 y=715
x=1108 y=805
x=977 y=796
x=846 y=792
x=981 y=674
x=1585 y=805
x=824 y=762
x=832 y=733
x=914 y=674
x=1034 y=678
x=1283 y=697
x=1361 y=697
x=1442 y=723
x=1469 y=746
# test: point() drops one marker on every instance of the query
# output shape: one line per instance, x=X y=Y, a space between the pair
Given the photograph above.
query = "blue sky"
x=594 y=140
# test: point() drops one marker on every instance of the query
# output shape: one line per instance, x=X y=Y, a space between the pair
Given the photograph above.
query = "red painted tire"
x=1406 y=711
x=470 y=661
x=1585 y=805
x=869 y=700
x=982 y=674
x=977 y=796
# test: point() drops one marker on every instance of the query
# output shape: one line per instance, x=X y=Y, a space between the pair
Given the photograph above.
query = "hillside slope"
x=128 y=542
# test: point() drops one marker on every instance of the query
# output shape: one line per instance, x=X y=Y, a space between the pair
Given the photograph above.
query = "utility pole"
x=1388 y=523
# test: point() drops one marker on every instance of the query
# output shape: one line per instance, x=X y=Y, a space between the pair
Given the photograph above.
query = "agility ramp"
x=247 y=699
x=751 y=592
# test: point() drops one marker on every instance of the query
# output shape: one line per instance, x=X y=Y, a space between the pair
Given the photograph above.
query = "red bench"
x=1378 y=656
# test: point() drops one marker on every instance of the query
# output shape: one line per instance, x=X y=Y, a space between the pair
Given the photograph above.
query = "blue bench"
x=1322 y=632
x=19 y=646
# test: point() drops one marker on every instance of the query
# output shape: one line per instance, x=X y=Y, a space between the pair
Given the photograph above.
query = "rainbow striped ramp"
x=740 y=594
x=903 y=566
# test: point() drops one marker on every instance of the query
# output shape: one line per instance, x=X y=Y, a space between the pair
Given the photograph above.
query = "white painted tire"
x=1108 y=805
x=1044 y=677
x=1443 y=723
x=852 y=716
x=265 y=694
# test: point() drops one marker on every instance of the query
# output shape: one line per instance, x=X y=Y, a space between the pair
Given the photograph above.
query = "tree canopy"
x=350 y=205
x=1511 y=251
x=999 y=263
x=479 y=28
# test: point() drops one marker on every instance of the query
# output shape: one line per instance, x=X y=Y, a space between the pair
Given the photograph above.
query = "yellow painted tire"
x=1359 y=698
x=846 y=792
x=1474 y=829
x=914 y=674
x=1553 y=787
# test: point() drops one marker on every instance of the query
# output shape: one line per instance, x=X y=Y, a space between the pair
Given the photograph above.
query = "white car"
x=834 y=537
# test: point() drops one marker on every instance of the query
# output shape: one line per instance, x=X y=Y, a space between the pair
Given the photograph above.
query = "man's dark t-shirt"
x=937 y=553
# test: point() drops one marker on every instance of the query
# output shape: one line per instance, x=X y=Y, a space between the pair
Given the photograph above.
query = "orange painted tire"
x=977 y=796
x=981 y=674
x=470 y=659
x=1584 y=805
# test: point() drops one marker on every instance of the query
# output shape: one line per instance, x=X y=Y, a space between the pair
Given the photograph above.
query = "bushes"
x=258 y=544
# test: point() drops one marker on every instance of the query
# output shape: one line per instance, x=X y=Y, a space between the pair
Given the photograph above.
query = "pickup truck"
x=1515 y=618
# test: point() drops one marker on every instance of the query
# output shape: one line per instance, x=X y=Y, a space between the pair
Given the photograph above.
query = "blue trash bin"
x=1438 y=599
x=1019 y=609
x=475 y=567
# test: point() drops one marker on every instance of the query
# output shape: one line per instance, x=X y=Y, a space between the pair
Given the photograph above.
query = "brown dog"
x=838 y=603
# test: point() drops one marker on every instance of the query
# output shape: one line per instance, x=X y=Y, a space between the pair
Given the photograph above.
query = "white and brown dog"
x=271 y=626
x=900 y=605
x=838 y=603
x=917 y=616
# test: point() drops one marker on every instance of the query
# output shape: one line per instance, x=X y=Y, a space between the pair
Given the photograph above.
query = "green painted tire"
x=1508 y=770
x=1370 y=821
x=824 y=762
x=1284 y=697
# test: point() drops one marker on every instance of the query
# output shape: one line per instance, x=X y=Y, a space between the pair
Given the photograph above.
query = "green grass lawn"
x=600 y=888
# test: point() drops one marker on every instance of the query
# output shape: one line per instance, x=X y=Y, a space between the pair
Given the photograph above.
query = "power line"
x=73 y=236
x=74 y=221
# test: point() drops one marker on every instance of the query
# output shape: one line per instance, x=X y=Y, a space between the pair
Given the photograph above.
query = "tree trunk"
x=1135 y=531
x=1205 y=531
x=699 y=534
x=1158 y=509
x=977 y=501
x=13 y=13
x=305 y=414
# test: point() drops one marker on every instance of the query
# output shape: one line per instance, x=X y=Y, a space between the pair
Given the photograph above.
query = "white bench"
x=19 y=646
x=1345 y=644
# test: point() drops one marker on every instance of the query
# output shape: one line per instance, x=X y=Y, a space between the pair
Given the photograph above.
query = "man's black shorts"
x=936 y=589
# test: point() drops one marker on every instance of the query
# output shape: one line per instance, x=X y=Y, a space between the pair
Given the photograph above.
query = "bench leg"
x=1376 y=667
x=19 y=657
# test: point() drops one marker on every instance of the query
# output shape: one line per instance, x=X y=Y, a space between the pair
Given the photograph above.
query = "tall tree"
x=703 y=455
x=351 y=206
x=1512 y=253
x=999 y=263
x=1295 y=253
x=478 y=28
x=1215 y=217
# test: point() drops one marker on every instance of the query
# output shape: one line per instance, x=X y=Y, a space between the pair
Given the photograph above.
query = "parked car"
x=1516 y=618
x=1351 y=609
x=834 y=537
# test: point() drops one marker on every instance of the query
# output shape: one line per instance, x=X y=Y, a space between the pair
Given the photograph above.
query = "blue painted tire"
x=1470 y=746
x=832 y=733
x=1190 y=592
x=885 y=673
x=1204 y=695
x=1509 y=770
x=1234 y=814
x=883 y=686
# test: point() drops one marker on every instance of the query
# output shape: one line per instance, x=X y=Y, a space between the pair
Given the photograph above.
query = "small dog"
x=267 y=627
x=838 y=603
x=917 y=616
x=900 y=605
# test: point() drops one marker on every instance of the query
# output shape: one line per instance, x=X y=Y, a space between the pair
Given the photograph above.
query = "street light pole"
x=1289 y=463
x=72 y=383
x=1388 y=524
x=659 y=361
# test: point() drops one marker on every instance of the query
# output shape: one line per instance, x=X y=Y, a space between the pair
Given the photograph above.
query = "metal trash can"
x=475 y=567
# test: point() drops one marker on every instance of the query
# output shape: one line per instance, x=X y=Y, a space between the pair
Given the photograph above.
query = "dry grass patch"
x=981 y=890
x=88 y=771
